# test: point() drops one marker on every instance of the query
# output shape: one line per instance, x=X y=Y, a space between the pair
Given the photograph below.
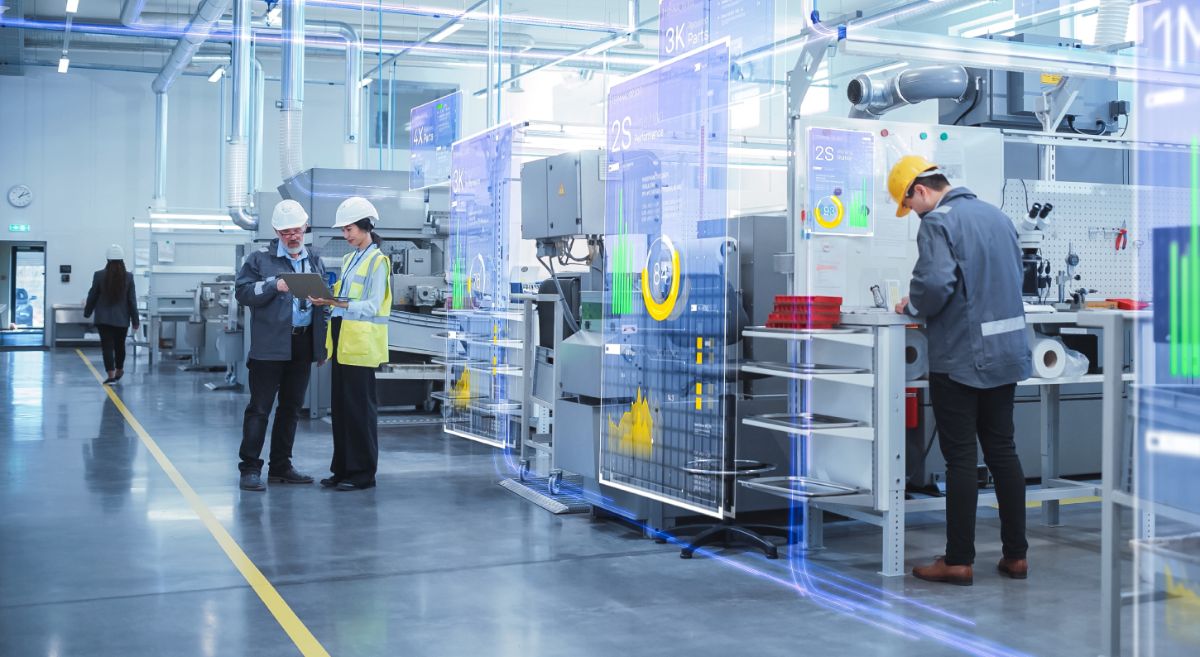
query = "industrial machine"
x=563 y=204
x=996 y=98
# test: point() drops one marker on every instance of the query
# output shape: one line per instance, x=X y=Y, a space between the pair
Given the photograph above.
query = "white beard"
x=293 y=251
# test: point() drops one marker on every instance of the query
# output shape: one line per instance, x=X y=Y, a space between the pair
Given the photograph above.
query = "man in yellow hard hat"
x=966 y=285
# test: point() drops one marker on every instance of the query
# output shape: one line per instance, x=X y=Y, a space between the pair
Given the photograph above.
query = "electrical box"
x=1008 y=99
x=563 y=195
x=415 y=262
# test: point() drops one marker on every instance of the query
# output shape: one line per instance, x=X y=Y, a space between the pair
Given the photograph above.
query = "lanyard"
x=346 y=273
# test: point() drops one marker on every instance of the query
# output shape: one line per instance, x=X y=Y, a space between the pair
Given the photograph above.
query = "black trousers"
x=962 y=413
x=268 y=378
x=112 y=345
x=354 y=409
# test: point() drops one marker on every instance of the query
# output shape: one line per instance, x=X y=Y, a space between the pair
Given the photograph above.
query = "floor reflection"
x=108 y=459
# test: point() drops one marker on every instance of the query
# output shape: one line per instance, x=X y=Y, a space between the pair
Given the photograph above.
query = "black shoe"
x=351 y=485
x=251 y=481
x=289 y=476
x=331 y=482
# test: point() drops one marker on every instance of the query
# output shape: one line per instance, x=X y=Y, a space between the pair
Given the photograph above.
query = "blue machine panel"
x=433 y=128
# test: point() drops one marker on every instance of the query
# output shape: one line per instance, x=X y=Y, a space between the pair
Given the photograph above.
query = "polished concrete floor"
x=101 y=555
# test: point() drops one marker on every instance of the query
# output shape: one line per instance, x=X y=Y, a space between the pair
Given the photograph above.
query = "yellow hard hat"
x=903 y=174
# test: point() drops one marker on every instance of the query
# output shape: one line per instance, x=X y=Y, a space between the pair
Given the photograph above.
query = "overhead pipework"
x=291 y=105
x=238 y=175
x=873 y=97
x=201 y=25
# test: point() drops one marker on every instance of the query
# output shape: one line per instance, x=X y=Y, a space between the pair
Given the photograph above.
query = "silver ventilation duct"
x=873 y=97
x=197 y=32
x=238 y=174
x=291 y=105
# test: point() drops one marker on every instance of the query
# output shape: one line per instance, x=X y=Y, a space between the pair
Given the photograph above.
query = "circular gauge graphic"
x=478 y=283
x=829 y=211
x=661 y=279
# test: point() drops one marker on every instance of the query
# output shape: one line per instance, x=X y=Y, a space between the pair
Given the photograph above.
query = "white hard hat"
x=114 y=252
x=288 y=214
x=354 y=209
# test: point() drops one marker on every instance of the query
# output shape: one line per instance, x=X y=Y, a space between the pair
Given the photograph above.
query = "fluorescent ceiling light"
x=72 y=6
x=217 y=74
x=445 y=32
x=63 y=64
x=611 y=43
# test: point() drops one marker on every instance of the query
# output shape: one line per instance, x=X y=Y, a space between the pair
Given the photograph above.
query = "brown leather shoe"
x=1014 y=568
x=939 y=571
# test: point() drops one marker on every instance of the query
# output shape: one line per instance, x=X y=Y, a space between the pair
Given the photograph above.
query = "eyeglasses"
x=292 y=232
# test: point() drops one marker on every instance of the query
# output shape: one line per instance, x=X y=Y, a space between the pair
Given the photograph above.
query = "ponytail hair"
x=365 y=225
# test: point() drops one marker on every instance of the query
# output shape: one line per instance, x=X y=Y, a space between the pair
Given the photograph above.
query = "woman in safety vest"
x=357 y=342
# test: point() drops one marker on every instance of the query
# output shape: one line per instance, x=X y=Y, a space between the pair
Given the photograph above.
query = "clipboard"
x=303 y=286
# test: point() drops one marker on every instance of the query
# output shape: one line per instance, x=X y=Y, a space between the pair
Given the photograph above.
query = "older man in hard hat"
x=287 y=335
x=967 y=287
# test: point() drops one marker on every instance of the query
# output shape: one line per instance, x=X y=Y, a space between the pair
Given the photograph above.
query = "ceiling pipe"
x=291 y=105
x=469 y=15
x=194 y=36
x=453 y=53
x=872 y=98
x=237 y=198
x=131 y=12
x=160 y=151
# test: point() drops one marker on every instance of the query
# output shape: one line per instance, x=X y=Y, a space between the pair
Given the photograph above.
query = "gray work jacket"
x=967 y=287
x=119 y=314
x=271 y=310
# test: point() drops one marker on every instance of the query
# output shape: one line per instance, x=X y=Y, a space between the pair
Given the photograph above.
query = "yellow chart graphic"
x=462 y=390
x=635 y=434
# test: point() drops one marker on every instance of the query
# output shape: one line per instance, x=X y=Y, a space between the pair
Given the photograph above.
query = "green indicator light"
x=945 y=136
x=924 y=135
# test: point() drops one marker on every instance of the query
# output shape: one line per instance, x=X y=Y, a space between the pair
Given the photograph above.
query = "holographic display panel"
x=685 y=25
x=665 y=318
x=841 y=182
x=480 y=358
x=433 y=129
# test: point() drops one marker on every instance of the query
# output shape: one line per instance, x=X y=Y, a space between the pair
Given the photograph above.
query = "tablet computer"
x=303 y=286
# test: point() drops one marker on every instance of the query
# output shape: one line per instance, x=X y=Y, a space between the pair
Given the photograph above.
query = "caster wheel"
x=523 y=473
x=555 y=483
x=685 y=555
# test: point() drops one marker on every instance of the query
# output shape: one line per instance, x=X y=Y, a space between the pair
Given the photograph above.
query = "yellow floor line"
x=300 y=635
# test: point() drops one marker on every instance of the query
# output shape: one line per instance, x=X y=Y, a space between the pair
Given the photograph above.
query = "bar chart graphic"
x=1183 y=275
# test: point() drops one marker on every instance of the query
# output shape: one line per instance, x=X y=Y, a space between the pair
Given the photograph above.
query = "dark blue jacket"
x=967 y=287
x=270 y=309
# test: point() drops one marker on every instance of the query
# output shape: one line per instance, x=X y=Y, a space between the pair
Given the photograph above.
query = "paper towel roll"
x=916 y=355
x=1049 y=357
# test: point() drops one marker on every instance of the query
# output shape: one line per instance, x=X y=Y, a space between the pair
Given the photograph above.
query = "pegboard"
x=1085 y=216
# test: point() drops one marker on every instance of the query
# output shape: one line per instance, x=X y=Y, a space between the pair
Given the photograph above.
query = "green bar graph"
x=622 y=284
x=1184 y=275
x=858 y=214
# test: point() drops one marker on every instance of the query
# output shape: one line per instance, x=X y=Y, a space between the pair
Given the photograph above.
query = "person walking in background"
x=114 y=301
x=287 y=335
x=358 y=342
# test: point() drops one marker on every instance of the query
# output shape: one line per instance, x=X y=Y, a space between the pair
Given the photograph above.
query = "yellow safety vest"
x=363 y=343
